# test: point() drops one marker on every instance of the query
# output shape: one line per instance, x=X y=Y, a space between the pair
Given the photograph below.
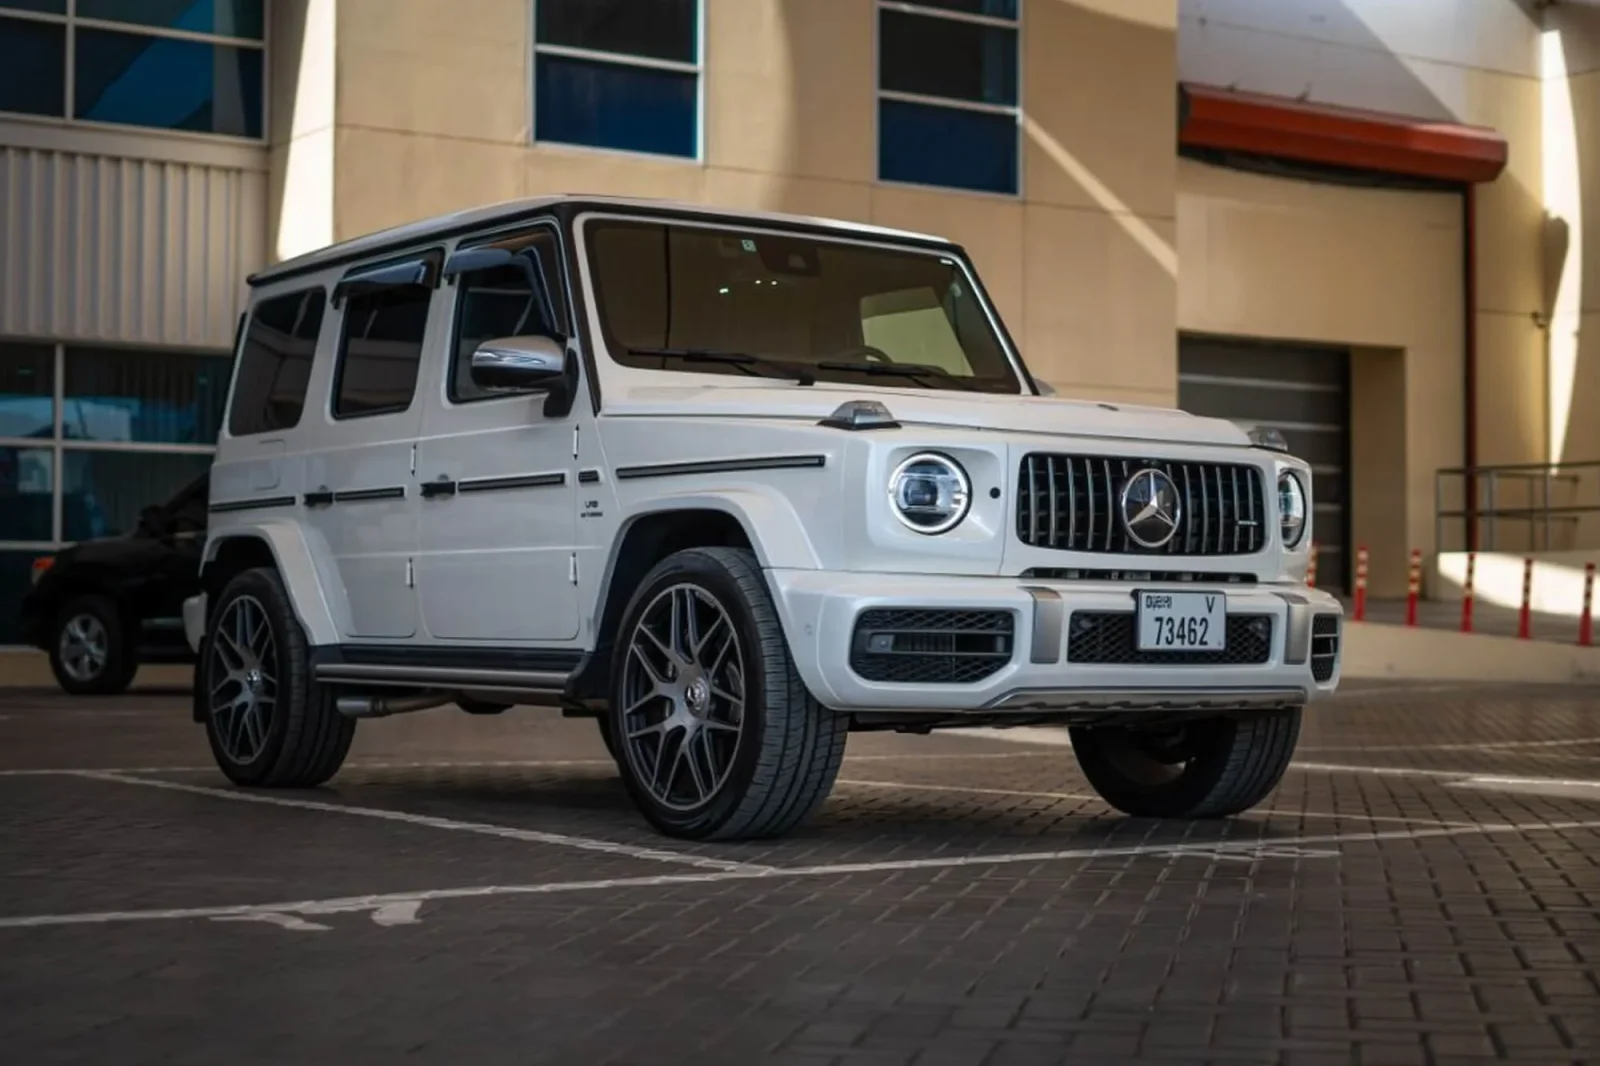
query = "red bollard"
x=1466 y=593
x=1413 y=586
x=1525 y=622
x=1311 y=566
x=1361 y=583
x=1586 y=619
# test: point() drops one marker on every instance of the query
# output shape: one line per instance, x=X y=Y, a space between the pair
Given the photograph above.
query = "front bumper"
x=1044 y=672
x=194 y=621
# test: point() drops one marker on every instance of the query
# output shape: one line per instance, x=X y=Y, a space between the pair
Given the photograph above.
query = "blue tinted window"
x=27 y=485
x=226 y=18
x=34 y=57
x=157 y=397
x=948 y=146
x=612 y=105
x=53 y=7
x=167 y=83
x=103 y=492
x=27 y=391
x=947 y=57
x=663 y=29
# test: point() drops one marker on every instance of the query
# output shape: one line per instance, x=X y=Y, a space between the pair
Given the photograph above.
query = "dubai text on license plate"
x=1182 y=621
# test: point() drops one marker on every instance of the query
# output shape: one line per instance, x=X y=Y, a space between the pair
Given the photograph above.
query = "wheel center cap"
x=252 y=680
x=697 y=694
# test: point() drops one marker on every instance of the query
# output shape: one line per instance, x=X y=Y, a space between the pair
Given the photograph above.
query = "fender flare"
x=296 y=560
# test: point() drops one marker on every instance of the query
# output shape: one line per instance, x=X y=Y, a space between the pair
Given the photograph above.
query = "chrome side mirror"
x=519 y=363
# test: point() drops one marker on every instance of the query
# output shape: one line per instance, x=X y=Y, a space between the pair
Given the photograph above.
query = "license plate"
x=1182 y=621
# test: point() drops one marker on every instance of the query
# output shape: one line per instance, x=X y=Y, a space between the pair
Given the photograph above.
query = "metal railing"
x=1548 y=500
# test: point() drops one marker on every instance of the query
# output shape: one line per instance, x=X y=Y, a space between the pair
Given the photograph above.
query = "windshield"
x=718 y=301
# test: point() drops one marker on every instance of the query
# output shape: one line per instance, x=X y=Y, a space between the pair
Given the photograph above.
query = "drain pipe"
x=1469 y=371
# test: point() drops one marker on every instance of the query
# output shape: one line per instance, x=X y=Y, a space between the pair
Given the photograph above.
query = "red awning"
x=1339 y=136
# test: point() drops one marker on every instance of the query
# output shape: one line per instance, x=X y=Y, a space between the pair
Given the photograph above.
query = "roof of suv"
x=449 y=225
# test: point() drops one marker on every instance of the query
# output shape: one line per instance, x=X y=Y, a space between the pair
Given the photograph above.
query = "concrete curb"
x=1401 y=653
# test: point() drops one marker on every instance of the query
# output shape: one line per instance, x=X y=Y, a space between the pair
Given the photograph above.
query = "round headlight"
x=1291 y=509
x=930 y=493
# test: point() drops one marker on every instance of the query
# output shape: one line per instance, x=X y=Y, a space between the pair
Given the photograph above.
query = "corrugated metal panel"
x=121 y=249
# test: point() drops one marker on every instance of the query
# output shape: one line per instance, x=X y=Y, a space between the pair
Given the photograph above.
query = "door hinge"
x=413 y=459
x=574 y=442
x=572 y=568
x=411 y=574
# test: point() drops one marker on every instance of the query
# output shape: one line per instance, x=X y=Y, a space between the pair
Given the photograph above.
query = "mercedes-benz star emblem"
x=1151 y=508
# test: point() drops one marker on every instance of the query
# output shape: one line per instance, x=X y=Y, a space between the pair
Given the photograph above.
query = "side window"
x=506 y=301
x=269 y=389
x=380 y=347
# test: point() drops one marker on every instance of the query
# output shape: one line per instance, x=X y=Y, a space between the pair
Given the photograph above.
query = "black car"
x=102 y=607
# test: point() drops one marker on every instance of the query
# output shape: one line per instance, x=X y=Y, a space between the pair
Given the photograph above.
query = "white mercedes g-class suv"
x=735 y=485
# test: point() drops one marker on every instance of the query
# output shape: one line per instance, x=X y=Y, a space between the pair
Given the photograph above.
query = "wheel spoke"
x=657 y=678
x=686 y=754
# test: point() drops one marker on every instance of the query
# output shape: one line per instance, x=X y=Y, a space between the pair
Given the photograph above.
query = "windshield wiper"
x=918 y=372
x=743 y=360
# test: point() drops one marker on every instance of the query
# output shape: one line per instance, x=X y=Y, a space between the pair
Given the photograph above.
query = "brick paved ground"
x=1423 y=888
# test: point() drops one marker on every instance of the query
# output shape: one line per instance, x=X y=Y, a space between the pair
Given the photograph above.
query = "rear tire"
x=270 y=725
x=1207 y=768
x=717 y=737
x=89 y=648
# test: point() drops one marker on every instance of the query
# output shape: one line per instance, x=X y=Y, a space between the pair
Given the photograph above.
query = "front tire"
x=717 y=738
x=270 y=725
x=89 y=648
x=1207 y=768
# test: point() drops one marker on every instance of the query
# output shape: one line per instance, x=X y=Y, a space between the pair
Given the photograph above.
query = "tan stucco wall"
x=432 y=112
x=1375 y=269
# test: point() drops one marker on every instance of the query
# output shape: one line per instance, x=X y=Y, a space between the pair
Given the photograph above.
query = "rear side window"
x=269 y=390
x=380 y=349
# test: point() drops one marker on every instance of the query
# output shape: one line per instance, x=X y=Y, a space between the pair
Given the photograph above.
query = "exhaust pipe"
x=384 y=706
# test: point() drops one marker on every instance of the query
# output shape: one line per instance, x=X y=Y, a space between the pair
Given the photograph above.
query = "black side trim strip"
x=588 y=477
x=448 y=657
x=226 y=506
x=393 y=492
x=720 y=466
x=519 y=481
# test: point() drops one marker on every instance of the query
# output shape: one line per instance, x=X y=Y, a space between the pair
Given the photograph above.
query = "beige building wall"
x=425 y=107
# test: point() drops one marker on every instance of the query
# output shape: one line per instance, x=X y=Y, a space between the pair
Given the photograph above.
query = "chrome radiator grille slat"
x=1072 y=503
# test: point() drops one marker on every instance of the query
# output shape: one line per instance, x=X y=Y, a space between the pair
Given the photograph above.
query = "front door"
x=496 y=476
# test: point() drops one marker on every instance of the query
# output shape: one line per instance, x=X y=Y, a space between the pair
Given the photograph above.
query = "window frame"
x=621 y=59
x=376 y=277
x=1017 y=111
x=560 y=300
x=71 y=21
x=246 y=320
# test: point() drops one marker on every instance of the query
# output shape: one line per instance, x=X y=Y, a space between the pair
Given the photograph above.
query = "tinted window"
x=658 y=29
x=946 y=57
x=275 y=363
x=610 y=105
x=27 y=487
x=103 y=492
x=123 y=394
x=502 y=302
x=34 y=57
x=225 y=18
x=27 y=390
x=975 y=149
x=54 y=7
x=795 y=302
x=379 y=350
x=137 y=80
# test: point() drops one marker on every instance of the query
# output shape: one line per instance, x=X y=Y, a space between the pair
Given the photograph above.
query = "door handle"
x=320 y=498
x=441 y=487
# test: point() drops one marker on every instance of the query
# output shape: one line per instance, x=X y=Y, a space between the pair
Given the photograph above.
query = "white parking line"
x=530 y=836
x=1495 y=745
x=1286 y=847
x=1089 y=796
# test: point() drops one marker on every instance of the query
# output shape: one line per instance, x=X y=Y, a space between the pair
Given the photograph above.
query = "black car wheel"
x=268 y=722
x=89 y=651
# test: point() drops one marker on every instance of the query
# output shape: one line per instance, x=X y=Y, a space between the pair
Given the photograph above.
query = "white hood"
x=926 y=407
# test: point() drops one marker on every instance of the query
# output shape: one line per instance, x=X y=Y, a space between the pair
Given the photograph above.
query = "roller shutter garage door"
x=1304 y=391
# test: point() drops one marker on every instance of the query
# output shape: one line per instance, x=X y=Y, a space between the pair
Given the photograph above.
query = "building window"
x=88 y=438
x=619 y=74
x=197 y=66
x=949 y=93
